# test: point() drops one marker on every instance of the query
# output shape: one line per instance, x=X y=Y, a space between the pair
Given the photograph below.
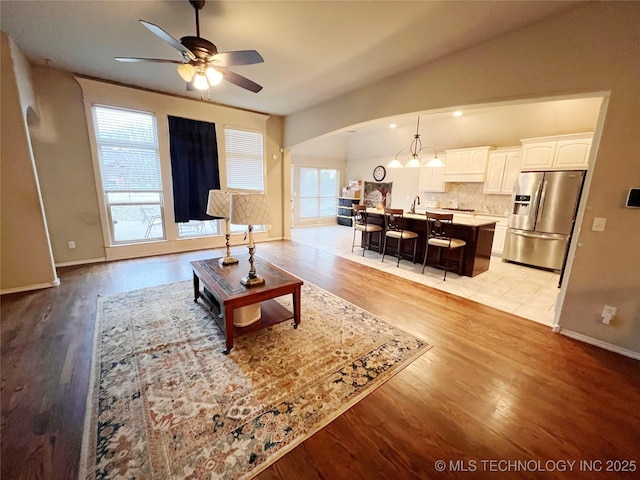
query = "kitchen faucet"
x=413 y=205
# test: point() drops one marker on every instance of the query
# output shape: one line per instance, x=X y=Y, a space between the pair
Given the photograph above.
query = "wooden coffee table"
x=223 y=293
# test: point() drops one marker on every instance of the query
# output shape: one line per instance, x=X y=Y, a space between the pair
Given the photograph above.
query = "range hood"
x=464 y=177
x=467 y=164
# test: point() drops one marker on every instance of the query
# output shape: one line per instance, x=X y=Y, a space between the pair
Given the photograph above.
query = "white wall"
x=334 y=146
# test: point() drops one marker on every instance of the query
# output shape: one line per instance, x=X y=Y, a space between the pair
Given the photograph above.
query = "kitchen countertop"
x=473 y=212
x=457 y=218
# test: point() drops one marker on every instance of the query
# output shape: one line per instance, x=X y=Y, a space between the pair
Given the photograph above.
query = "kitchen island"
x=478 y=233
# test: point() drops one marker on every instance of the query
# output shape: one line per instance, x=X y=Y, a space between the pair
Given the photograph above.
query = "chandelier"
x=414 y=154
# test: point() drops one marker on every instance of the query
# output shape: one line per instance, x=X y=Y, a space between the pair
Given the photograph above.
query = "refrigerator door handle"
x=537 y=235
x=543 y=196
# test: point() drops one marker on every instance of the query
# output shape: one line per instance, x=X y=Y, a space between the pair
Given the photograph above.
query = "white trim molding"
x=27 y=288
x=81 y=262
x=598 y=343
x=164 y=247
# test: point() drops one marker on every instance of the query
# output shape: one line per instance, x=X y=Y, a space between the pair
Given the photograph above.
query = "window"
x=127 y=143
x=245 y=160
x=318 y=192
x=198 y=228
x=245 y=164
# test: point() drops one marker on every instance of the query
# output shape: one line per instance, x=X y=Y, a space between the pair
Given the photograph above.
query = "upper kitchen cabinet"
x=563 y=152
x=466 y=164
x=432 y=179
x=573 y=153
x=502 y=171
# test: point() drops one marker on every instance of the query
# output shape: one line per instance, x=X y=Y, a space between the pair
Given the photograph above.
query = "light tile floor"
x=527 y=292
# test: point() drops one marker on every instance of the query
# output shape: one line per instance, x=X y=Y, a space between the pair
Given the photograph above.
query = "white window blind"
x=127 y=149
x=245 y=160
x=129 y=163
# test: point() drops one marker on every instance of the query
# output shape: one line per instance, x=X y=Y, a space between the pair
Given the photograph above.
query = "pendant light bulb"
x=200 y=81
x=214 y=76
x=435 y=162
x=395 y=163
x=186 y=71
x=414 y=162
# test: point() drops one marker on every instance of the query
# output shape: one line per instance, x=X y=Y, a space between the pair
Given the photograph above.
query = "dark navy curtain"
x=194 y=167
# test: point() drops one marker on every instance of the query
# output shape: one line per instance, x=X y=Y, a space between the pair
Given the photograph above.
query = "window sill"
x=164 y=247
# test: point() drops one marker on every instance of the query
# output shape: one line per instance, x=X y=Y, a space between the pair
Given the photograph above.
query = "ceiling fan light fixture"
x=200 y=56
x=186 y=71
x=214 y=76
x=200 y=81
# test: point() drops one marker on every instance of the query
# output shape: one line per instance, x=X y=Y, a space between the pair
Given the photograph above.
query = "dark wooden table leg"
x=196 y=287
x=296 y=306
x=228 y=327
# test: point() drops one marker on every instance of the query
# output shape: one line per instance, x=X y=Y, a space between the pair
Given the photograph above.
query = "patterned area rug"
x=166 y=403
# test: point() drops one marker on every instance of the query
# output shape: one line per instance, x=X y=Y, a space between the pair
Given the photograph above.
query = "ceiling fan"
x=202 y=66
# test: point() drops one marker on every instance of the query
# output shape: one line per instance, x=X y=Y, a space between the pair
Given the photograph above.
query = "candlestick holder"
x=250 y=209
x=219 y=205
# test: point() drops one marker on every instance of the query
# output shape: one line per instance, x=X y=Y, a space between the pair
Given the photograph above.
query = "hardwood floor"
x=493 y=387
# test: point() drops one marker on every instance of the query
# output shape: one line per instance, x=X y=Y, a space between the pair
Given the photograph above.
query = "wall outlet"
x=608 y=312
x=598 y=224
x=71 y=244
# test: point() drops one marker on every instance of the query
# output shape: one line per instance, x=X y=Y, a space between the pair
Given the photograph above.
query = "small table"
x=223 y=293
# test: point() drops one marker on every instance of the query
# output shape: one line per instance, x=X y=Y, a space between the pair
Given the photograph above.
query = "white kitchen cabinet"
x=500 y=233
x=503 y=168
x=572 y=154
x=466 y=164
x=562 y=152
x=499 y=237
x=432 y=179
x=538 y=155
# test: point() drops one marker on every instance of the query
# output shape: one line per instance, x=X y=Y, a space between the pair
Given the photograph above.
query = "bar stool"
x=394 y=228
x=360 y=224
x=439 y=234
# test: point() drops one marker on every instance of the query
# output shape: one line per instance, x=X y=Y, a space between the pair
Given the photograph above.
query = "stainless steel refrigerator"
x=542 y=217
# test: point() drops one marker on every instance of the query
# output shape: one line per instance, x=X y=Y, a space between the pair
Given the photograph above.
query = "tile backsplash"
x=469 y=195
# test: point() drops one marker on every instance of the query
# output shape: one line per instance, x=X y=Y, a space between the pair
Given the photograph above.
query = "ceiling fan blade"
x=154 y=60
x=241 y=81
x=156 y=30
x=239 y=57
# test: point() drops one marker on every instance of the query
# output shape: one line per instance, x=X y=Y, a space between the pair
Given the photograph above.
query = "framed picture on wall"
x=377 y=193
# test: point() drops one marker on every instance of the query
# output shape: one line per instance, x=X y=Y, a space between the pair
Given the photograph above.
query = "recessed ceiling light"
x=393 y=125
x=457 y=113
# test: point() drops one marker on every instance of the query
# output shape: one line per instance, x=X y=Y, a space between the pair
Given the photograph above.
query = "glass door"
x=317 y=197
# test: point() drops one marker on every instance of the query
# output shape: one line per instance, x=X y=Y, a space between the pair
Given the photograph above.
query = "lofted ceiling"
x=313 y=50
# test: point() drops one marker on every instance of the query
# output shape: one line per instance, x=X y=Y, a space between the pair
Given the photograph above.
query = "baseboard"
x=148 y=254
x=28 y=288
x=598 y=343
x=81 y=262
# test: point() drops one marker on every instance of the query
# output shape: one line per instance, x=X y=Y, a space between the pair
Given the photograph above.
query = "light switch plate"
x=599 y=224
